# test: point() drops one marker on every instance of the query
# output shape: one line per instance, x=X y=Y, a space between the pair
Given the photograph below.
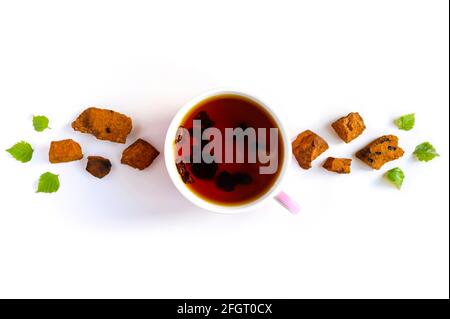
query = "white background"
x=132 y=235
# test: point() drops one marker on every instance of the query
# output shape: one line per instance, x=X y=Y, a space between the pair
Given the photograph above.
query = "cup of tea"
x=227 y=151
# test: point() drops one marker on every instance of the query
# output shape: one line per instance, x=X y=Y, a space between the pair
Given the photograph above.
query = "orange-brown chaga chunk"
x=98 y=166
x=382 y=150
x=139 y=155
x=104 y=124
x=338 y=165
x=349 y=127
x=307 y=147
x=64 y=151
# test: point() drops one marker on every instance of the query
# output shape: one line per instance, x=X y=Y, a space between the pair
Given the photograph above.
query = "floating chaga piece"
x=203 y=116
x=227 y=181
x=104 y=124
x=307 y=147
x=204 y=170
x=64 y=151
x=181 y=134
x=98 y=166
x=338 y=165
x=184 y=173
x=242 y=125
x=349 y=127
x=382 y=150
x=242 y=178
x=205 y=123
x=139 y=155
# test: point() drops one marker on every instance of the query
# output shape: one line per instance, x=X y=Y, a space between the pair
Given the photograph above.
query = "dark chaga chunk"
x=98 y=166
x=242 y=178
x=180 y=134
x=184 y=173
x=225 y=181
x=242 y=125
x=204 y=117
x=206 y=123
x=204 y=170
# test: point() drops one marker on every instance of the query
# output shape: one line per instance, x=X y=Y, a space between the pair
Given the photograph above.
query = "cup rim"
x=169 y=155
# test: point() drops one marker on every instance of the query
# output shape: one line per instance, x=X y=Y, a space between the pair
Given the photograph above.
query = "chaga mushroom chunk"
x=382 y=150
x=349 y=127
x=104 y=124
x=184 y=173
x=338 y=165
x=204 y=170
x=98 y=166
x=139 y=155
x=307 y=147
x=64 y=151
x=227 y=182
x=206 y=121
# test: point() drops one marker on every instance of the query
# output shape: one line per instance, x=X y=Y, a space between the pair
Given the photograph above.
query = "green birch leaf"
x=22 y=151
x=406 y=122
x=40 y=123
x=425 y=152
x=396 y=176
x=48 y=183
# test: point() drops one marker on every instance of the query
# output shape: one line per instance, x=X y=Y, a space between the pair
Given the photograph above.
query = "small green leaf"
x=40 y=122
x=22 y=151
x=425 y=152
x=396 y=176
x=406 y=122
x=48 y=183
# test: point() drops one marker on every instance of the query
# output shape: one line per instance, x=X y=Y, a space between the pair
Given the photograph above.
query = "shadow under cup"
x=226 y=151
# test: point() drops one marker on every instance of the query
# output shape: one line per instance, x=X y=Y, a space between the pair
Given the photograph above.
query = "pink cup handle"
x=290 y=204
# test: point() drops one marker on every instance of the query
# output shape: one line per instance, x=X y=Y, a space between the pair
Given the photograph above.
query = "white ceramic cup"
x=170 y=156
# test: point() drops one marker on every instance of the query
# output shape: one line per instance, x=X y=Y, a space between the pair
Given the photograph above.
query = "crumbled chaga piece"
x=98 y=166
x=338 y=165
x=349 y=127
x=242 y=125
x=104 y=124
x=204 y=170
x=307 y=147
x=64 y=151
x=181 y=134
x=382 y=150
x=139 y=155
x=227 y=182
x=206 y=121
x=184 y=173
x=242 y=178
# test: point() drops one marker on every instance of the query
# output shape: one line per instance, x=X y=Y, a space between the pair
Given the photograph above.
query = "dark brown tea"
x=221 y=181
